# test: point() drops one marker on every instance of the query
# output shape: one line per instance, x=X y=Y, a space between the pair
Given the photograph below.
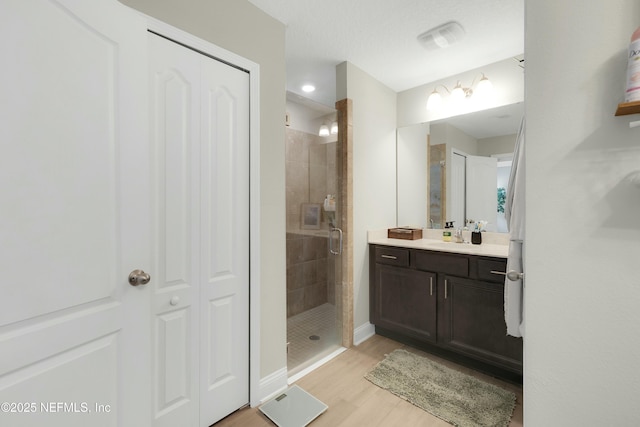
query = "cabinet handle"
x=430 y=286
x=389 y=256
x=445 y=288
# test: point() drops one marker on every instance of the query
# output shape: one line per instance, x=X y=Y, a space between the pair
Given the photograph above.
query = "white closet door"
x=201 y=122
x=74 y=334
x=175 y=110
x=224 y=245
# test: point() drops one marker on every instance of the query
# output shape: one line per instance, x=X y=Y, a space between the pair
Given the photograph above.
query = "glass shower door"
x=314 y=249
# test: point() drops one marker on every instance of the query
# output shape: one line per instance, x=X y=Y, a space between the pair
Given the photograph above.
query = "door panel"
x=64 y=225
x=224 y=259
x=405 y=301
x=175 y=106
x=200 y=127
x=472 y=323
x=174 y=145
x=75 y=212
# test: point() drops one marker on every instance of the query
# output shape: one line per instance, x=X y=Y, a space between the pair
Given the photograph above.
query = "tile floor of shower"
x=312 y=335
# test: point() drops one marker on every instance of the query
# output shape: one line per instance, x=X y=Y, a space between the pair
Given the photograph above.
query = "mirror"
x=456 y=169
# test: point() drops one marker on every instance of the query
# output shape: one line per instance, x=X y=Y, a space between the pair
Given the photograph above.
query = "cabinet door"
x=471 y=321
x=405 y=301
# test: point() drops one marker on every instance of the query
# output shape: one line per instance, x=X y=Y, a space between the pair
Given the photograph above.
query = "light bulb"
x=434 y=101
x=324 y=131
x=334 y=128
x=484 y=89
x=457 y=94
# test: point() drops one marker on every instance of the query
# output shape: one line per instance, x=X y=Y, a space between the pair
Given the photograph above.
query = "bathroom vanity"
x=446 y=298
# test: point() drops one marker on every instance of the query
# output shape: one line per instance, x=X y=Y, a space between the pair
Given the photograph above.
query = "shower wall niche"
x=311 y=174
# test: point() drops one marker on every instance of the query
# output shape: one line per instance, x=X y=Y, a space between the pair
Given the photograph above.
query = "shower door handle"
x=339 y=251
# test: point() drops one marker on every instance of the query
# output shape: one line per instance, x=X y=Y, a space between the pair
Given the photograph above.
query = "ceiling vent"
x=442 y=36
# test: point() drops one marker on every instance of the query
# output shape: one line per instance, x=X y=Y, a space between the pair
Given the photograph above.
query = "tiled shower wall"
x=306 y=272
x=311 y=174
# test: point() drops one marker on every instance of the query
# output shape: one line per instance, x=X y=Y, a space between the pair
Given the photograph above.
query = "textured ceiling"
x=380 y=37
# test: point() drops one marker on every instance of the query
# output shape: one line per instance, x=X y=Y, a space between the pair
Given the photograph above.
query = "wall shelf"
x=626 y=108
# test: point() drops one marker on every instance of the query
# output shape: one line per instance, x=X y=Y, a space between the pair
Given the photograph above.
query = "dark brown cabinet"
x=406 y=301
x=471 y=322
x=450 y=304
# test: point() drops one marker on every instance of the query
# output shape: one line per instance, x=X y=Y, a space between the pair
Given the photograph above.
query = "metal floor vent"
x=293 y=408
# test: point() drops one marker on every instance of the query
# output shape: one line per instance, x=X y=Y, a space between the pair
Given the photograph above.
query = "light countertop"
x=497 y=244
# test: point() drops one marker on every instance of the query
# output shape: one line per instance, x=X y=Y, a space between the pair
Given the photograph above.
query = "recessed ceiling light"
x=308 y=88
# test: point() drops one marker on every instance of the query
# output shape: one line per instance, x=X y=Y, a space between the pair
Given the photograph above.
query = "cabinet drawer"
x=486 y=266
x=441 y=263
x=392 y=256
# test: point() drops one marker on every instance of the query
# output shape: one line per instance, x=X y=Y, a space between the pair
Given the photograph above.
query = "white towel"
x=515 y=215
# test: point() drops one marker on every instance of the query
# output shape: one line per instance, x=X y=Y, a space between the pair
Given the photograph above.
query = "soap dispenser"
x=446 y=234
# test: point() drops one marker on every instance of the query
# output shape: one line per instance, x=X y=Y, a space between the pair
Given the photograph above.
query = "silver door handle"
x=138 y=277
x=339 y=251
x=514 y=275
x=511 y=275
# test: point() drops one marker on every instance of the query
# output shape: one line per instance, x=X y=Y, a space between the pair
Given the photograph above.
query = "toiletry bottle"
x=446 y=234
x=458 y=236
x=632 y=93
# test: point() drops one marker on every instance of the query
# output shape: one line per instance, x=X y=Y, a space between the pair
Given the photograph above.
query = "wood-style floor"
x=354 y=402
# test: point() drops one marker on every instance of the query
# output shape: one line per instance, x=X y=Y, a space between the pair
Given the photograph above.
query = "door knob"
x=514 y=275
x=138 y=277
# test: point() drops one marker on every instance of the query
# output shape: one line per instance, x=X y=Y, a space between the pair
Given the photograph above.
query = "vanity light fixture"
x=334 y=127
x=484 y=89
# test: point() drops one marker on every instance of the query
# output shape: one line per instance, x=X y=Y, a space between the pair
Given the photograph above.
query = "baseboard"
x=272 y=384
x=292 y=379
x=277 y=381
x=363 y=333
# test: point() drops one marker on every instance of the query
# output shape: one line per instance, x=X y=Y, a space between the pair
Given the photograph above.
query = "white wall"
x=242 y=28
x=497 y=145
x=582 y=345
x=307 y=119
x=374 y=179
x=412 y=175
